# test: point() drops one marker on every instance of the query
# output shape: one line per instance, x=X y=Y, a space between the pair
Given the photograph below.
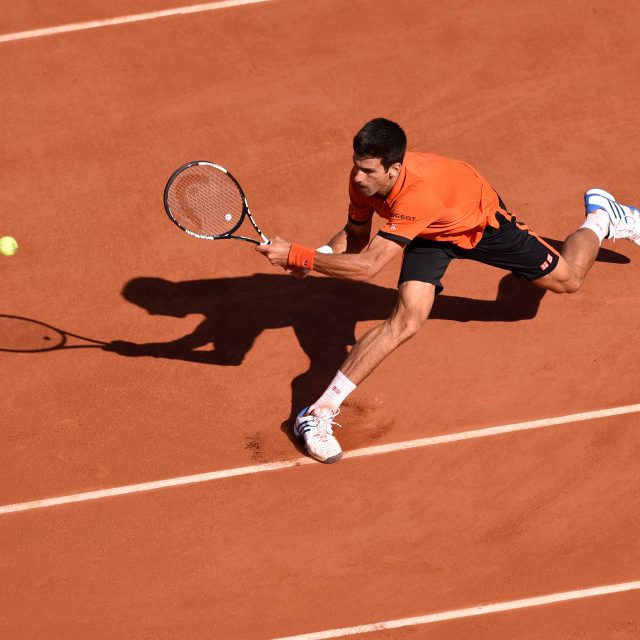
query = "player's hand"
x=277 y=252
x=131 y=349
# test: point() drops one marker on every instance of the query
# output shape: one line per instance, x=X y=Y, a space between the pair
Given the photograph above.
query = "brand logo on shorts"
x=336 y=390
x=547 y=263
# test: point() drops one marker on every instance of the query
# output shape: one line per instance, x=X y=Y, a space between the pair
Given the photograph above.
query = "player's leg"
x=578 y=254
x=515 y=247
x=423 y=265
x=415 y=300
x=315 y=423
x=605 y=218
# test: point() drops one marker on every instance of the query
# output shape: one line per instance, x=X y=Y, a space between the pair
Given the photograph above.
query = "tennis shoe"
x=624 y=220
x=317 y=433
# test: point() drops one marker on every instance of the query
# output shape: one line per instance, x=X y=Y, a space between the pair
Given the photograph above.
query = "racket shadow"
x=323 y=313
x=27 y=335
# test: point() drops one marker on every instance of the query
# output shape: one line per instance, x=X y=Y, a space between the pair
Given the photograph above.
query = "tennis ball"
x=8 y=246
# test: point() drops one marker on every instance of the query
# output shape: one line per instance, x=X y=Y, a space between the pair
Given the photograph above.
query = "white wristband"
x=325 y=248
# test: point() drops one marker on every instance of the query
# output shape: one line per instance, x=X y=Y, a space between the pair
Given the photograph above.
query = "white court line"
x=479 y=610
x=288 y=464
x=139 y=17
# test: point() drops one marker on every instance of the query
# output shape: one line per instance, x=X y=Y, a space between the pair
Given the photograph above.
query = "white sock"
x=598 y=222
x=336 y=392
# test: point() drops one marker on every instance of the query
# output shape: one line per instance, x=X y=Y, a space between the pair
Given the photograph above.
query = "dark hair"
x=381 y=138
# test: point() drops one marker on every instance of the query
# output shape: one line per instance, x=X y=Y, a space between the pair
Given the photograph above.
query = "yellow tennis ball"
x=8 y=246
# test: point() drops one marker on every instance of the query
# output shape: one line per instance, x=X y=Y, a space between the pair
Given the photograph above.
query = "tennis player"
x=435 y=210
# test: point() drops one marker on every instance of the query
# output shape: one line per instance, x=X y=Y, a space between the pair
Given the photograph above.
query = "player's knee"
x=407 y=324
x=562 y=280
x=570 y=284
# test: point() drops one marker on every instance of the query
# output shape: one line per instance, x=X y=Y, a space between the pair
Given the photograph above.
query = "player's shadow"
x=323 y=313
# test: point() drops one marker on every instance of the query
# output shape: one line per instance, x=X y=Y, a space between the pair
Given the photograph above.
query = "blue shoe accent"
x=598 y=200
x=624 y=221
x=300 y=423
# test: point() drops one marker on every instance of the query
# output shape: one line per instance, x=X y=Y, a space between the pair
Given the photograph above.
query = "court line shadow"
x=323 y=313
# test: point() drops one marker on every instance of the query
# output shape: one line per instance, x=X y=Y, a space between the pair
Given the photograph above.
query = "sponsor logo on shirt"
x=401 y=216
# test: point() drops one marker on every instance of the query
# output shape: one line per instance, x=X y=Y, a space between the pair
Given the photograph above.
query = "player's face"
x=372 y=178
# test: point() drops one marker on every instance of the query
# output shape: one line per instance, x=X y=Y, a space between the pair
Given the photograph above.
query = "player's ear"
x=394 y=169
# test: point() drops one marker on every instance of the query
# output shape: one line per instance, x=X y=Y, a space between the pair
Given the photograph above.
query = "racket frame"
x=227 y=235
x=61 y=334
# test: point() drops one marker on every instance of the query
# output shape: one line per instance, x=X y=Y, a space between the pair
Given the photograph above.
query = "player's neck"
x=386 y=189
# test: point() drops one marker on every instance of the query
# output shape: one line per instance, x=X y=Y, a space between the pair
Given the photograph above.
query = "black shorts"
x=511 y=246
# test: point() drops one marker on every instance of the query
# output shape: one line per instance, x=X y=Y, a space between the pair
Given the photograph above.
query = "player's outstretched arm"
x=359 y=266
x=352 y=238
x=350 y=266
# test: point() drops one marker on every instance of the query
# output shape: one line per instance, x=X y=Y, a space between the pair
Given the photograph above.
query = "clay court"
x=489 y=487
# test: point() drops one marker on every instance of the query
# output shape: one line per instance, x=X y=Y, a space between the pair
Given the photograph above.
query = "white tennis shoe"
x=624 y=221
x=317 y=432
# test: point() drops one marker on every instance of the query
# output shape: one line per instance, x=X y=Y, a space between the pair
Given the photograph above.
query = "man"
x=436 y=209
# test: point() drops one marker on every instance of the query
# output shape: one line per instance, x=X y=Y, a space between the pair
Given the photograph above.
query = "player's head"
x=378 y=152
x=156 y=295
x=383 y=139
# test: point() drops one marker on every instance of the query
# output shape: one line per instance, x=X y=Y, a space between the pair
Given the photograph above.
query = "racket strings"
x=22 y=334
x=205 y=200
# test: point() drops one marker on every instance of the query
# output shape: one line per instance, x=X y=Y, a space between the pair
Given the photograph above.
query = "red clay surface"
x=93 y=124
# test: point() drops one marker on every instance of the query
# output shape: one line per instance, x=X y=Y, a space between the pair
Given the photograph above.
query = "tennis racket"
x=206 y=201
x=24 y=335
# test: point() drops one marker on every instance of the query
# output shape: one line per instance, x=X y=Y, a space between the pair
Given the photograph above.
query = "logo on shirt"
x=401 y=216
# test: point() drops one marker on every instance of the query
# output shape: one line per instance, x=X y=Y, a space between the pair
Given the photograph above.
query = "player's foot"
x=624 y=221
x=317 y=432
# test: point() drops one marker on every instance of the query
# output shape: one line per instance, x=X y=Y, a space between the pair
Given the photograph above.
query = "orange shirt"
x=435 y=198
